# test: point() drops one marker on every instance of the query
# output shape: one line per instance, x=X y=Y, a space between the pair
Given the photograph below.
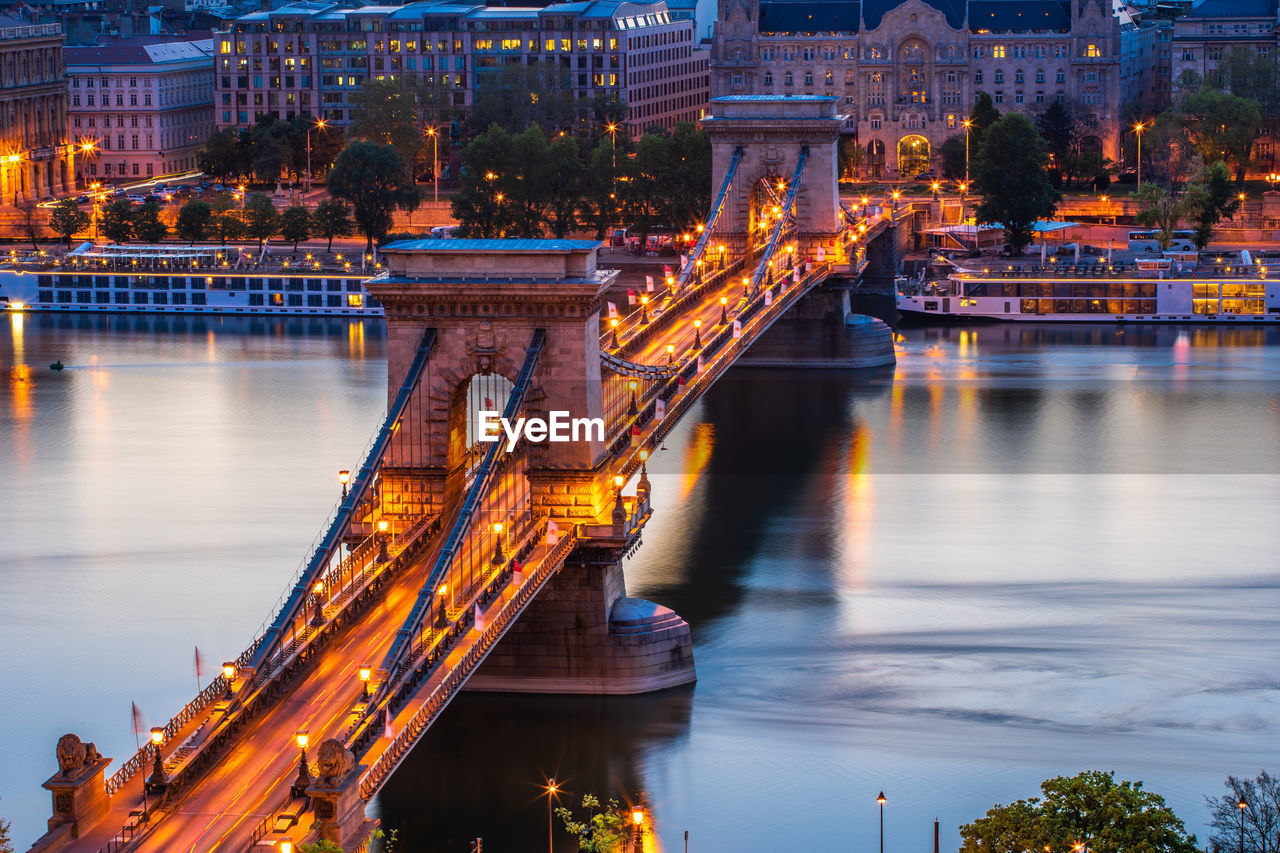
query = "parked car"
x=84 y=199
x=118 y=191
x=136 y=199
x=927 y=176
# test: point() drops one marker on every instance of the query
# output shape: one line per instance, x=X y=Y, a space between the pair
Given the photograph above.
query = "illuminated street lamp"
x=318 y=591
x=344 y=477
x=441 y=616
x=157 y=782
x=1242 y=805
x=880 y=800
x=671 y=353
x=968 y=123
x=366 y=672
x=229 y=675
x=435 y=161
x=1137 y=129
x=286 y=846
x=303 y=780
x=644 y=309
x=633 y=409
x=497 y=559
x=724 y=305
x=746 y=285
x=613 y=322
x=551 y=792
x=383 y=556
x=697 y=334
x=319 y=125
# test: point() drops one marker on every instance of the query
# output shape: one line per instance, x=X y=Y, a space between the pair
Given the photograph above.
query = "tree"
x=223 y=155
x=331 y=219
x=1222 y=127
x=375 y=180
x=384 y=111
x=67 y=218
x=603 y=204
x=481 y=205
x=117 y=221
x=1214 y=200
x=226 y=222
x=321 y=846
x=603 y=831
x=260 y=218
x=686 y=180
x=981 y=117
x=1058 y=129
x=147 y=226
x=1261 y=815
x=295 y=224
x=951 y=159
x=6 y=842
x=564 y=190
x=194 y=219
x=1009 y=172
x=1091 y=810
x=642 y=196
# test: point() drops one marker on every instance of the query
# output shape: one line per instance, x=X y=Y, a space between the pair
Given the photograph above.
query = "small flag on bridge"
x=768 y=296
x=822 y=254
x=737 y=329
x=553 y=533
x=139 y=725
x=613 y=311
x=666 y=270
x=795 y=275
x=648 y=283
x=388 y=731
x=701 y=365
x=635 y=435
x=199 y=668
x=684 y=261
x=659 y=409
x=488 y=402
x=631 y=296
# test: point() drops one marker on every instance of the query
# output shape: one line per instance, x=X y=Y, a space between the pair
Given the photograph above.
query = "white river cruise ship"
x=184 y=280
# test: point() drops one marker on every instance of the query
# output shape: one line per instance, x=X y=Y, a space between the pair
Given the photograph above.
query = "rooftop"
x=481 y=246
x=1233 y=9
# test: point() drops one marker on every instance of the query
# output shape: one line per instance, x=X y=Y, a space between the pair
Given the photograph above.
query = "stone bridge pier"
x=485 y=299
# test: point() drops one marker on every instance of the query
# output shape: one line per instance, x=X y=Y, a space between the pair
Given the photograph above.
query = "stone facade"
x=36 y=157
x=907 y=76
x=140 y=107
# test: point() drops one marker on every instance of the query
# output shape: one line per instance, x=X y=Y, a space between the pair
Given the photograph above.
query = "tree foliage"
x=6 y=842
x=981 y=117
x=67 y=218
x=1090 y=811
x=226 y=222
x=147 y=225
x=602 y=831
x=194 y=219
x=331 y=219
x=223 y=155
x=1261 y=815
x=374 y=178
x=1010 y=174
x=116 y=223
x=951 y=159
x=1221 y=127
x=295 y=224
x=1214 y=200
x=261 y=220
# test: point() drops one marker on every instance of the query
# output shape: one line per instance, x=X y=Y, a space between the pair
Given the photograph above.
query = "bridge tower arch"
x=771 y=133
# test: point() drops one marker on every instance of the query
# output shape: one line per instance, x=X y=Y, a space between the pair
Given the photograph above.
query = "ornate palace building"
x=35 y=153
x=908 y=71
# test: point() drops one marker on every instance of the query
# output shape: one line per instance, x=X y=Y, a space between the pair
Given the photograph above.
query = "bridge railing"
x=440 y=696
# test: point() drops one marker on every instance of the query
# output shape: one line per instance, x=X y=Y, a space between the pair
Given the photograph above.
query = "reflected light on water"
x=696 y=457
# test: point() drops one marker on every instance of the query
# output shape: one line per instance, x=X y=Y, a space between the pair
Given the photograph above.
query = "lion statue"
x=71 y=754
x=334 y=761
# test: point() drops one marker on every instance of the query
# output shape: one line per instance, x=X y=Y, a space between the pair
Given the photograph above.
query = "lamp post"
x=86 y=148
x=156 y=782
x=318 y=591
x=551 y=792
x=303 y=780
x=880 y=800
x=229 y=675
x=498 y=558
x=344 y=477
x=435 y=162
x=724 y=305
x=613 y=152
x=613 y=323
x=383 y=556
x=442 y=617
x=697 y=334
x=366 y=672
x=1137 y=129
x=637 y=820
x=968 y=123
x=319 y=125
x=1242 y=805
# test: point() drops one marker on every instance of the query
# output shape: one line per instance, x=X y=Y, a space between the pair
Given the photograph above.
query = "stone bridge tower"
x=772 y=132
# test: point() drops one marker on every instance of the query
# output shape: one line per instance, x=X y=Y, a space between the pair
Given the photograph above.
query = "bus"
x=1149 y=241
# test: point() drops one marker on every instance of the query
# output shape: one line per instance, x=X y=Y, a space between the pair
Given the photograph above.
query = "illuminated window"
x=997 y=51
x=1092 y=51
x=355 y=300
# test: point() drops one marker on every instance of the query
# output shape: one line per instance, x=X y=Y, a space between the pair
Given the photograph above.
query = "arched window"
x=1092 y=51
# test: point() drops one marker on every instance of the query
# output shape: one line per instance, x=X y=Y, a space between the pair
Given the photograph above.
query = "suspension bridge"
x=453 y=562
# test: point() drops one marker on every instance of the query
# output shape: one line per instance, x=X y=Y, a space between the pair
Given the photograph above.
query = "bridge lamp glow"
x=157 y=737
x=286 y=846
x=301 y=738
x=701 y=228
x=229 y=670
x=382 y=526
x=896 y=194
x=619 y=481
x=671 y=353
x=366 y=672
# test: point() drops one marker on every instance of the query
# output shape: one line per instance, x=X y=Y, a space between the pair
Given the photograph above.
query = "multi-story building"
x=35 y=157
x=909 y=71
x=140 y=107
x=308 y=58
x=1203 y=37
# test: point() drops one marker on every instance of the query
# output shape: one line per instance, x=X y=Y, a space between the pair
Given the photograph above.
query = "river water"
x=1027 y=551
